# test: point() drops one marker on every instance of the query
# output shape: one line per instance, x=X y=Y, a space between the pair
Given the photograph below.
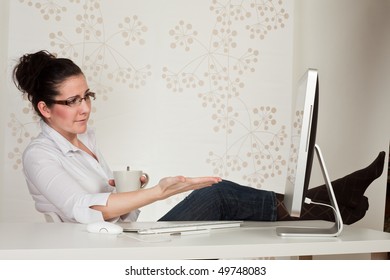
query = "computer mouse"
x=104 y=227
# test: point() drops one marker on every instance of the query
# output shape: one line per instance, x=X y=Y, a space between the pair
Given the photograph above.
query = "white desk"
x=72 y=241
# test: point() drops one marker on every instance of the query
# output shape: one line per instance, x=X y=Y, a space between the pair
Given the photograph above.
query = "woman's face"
x=70 y=121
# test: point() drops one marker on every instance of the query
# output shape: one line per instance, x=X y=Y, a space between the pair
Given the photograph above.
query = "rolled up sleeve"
x=82 y=211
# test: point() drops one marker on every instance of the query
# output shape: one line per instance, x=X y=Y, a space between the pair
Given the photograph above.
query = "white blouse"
x=66 y=180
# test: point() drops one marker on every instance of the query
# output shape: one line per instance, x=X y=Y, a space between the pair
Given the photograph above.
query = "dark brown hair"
x=39 y=74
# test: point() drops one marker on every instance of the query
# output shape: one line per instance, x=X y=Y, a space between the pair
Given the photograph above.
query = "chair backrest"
x=51 y=217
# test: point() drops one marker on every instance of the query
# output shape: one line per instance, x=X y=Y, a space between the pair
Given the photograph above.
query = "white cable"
x=309 y=201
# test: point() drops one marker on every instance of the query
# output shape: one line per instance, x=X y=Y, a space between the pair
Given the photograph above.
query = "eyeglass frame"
x=76 y=99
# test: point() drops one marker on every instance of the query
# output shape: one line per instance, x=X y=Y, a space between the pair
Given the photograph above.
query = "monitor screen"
x=303 y=138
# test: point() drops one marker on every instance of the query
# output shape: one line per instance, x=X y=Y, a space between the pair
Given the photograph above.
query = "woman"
x=66 y=173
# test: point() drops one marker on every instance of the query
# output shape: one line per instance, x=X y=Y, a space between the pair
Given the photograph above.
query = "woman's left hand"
x=144 y=180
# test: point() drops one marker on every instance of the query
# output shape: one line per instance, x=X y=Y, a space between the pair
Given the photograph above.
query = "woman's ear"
x=45 y=111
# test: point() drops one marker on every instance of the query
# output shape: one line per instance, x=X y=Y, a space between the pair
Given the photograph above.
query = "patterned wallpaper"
x=230 y=59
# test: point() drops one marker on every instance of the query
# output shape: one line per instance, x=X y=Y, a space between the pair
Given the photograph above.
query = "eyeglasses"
x=76 y=100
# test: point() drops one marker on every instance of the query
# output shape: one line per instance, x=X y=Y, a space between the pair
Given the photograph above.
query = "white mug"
x=129 y=180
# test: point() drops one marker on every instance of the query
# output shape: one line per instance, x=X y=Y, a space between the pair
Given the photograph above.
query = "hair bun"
x=29 y=68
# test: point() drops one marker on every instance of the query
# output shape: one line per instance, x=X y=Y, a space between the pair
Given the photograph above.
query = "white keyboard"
x=180 y=227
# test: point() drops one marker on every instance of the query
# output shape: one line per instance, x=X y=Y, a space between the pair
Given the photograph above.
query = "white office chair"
x=51 y=217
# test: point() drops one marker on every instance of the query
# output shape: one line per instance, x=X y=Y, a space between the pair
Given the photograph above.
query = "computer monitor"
x=302 y=149
x=303 y=134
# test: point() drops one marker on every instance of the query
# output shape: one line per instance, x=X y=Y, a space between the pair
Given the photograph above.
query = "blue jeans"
x=225 y=201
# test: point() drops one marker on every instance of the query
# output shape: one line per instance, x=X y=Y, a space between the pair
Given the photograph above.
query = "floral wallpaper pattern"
x=215 y=70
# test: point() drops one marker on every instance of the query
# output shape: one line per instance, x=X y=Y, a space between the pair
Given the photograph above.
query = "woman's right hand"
x=174 y=185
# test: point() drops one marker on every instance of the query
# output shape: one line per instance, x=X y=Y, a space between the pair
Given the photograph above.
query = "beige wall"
x=349 y=42
x=4 y=8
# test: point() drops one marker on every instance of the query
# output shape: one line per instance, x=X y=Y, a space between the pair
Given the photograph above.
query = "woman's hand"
x=174 y=185
x=143 y=179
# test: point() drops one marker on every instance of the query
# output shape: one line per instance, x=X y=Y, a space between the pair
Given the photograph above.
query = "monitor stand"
x=333 y=231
